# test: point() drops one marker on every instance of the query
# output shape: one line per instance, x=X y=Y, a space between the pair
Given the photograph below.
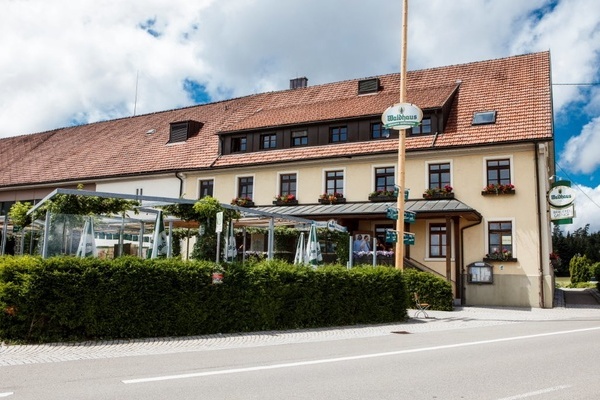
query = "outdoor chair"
x=421 y=307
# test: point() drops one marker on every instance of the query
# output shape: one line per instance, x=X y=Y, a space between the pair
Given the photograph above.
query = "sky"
x=65 y=62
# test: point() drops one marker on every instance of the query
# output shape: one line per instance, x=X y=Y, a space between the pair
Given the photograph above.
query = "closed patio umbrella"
x=313 y=249
x=300 y=256
x=160 y=244
x=87 y=243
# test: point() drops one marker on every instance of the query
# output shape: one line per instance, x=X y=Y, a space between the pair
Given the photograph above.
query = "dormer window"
x=423 y=129
x=238 y=144
x=484 y=117
x=368 y=86
x=182 y=131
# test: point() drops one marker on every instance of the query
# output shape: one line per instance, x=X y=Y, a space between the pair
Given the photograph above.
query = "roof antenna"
x=137 y=78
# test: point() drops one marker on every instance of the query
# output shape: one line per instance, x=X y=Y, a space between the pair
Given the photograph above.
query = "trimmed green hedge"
x=431 y=289
x=67 y=298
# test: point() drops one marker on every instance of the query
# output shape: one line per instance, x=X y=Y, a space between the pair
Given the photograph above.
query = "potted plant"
x=382 y=195
x=285 y=200
x=439 y=193
x=243 y=201
x=497 y=189
x=332 y=198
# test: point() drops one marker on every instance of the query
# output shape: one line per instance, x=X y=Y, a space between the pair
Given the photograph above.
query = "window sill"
x=338 y=200
x=437 y=196
x=285 y=203
x=510 y=260
x=486 y=193
x=381 y=199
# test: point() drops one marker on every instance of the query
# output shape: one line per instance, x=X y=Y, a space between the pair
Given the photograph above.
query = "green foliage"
x=579 y=242
x=580 y=269
x=68 y=298
x=430 y=288
x=18 y=213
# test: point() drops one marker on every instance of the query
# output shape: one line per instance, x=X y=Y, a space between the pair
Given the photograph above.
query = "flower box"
x=379 y=198
x=509 y=188
x=332 y=200
x=440 y=195
x=240 y=202
x=285 y=202
x=496 y=193
x=509 y=259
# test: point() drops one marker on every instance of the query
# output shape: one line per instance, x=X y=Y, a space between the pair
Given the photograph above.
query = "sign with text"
x=402 y=116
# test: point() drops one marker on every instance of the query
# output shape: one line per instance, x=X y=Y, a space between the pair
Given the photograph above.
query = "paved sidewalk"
x=461 y=317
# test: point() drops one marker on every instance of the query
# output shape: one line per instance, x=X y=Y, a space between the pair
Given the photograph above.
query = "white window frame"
x=237 y=184
x=278 y=183
x=428 y=163
x=498 y=157
x=427 y=257
x=324 y=178
x=207 y=178
x=512 y=233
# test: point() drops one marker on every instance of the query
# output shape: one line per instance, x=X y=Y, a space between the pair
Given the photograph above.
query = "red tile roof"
x=518 y=88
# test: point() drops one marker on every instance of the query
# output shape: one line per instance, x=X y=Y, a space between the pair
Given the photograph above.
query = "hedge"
x=431 y=289
x=67 y=298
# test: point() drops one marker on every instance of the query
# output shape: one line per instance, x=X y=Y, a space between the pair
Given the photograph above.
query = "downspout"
x=180 y=176
x=539 y=218
x=460 y=279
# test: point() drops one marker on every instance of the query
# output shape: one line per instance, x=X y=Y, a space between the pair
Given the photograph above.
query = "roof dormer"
x=183 y=130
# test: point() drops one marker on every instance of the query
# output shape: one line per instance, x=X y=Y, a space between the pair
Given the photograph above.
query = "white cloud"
x=580 y=154
x=587 y=204
x=66 y=62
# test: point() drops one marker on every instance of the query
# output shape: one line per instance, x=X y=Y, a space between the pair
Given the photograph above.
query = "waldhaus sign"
x=561 y=197
x=402 y=116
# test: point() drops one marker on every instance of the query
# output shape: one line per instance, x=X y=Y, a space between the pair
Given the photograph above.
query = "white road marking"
x=6 y=394
x=537 y=392
x=349 y=358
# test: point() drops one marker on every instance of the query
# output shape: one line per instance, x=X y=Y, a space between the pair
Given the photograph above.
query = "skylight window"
x=484 y=117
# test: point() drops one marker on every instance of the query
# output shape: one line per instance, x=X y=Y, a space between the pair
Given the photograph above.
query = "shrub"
x=68 y=298
x=580 y=269
x=431 y=289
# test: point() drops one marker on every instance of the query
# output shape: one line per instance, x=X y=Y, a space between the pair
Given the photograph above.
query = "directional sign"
x=409 y=238
x=391 y=213
x=397 y=190
x=410 y=217
x=391 y=236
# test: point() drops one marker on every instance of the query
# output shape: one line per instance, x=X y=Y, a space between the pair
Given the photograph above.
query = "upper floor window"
x=422 y=129
x=338 y=134
x=246 y=187
x=238 y=144
x=334 y=182
x=379 y=132
x=206 y=188
x=439 y=175
x=437 y=240
x=498 y=172
x=287 y=184
x=268 y=141
x=500 y=240
x=299 y=138
x=385 y=179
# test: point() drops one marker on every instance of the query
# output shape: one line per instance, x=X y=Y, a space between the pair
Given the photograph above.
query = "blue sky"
x=68 y=63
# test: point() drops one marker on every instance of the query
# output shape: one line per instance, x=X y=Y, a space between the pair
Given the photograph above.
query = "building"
x=478 y=166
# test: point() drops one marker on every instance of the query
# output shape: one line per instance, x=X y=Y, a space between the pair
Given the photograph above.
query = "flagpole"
x=399 y=260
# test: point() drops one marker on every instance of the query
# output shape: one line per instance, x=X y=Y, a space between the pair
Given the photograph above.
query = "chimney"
x=298 y=83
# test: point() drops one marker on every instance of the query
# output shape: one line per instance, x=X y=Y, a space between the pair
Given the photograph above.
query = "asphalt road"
x=467 y=354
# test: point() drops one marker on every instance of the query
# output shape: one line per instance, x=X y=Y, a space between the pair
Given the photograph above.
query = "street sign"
x=397 y=190
x=391 y=236
x=391 y=213
x=409 y=238
x=410 y=217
